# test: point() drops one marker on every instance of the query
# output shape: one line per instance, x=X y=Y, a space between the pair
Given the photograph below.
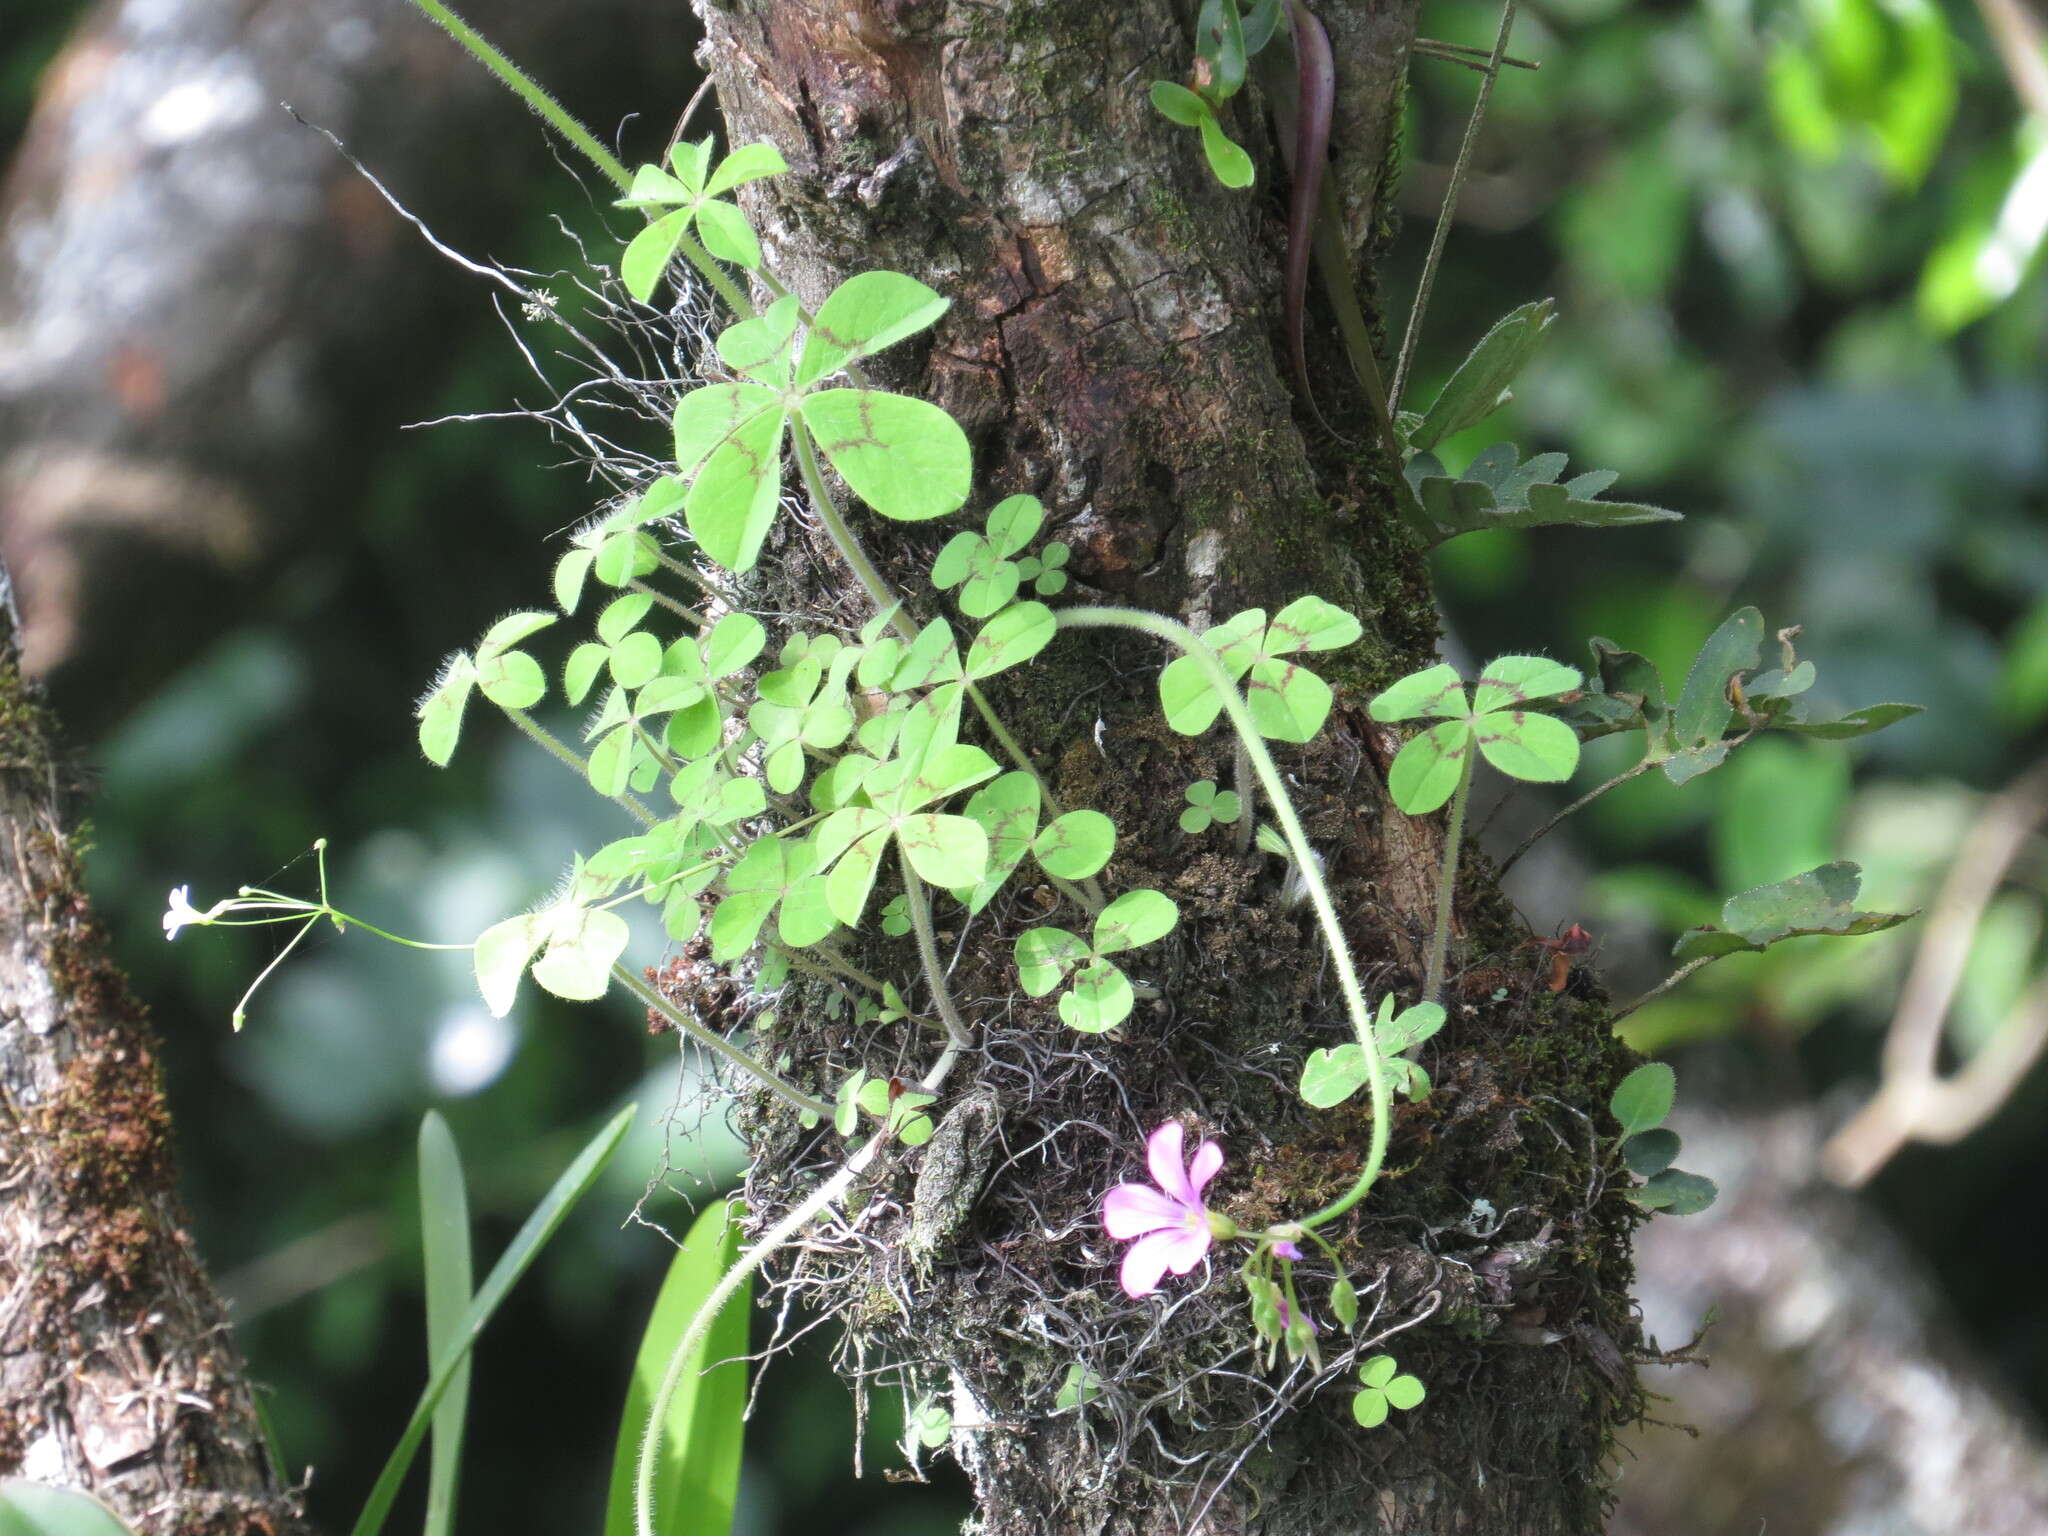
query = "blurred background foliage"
x=1796 y=248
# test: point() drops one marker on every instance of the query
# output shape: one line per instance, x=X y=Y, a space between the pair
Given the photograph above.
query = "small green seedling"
x=1640 y=1104
x=983 y=567
x=1287 y=701
x=694 y=195
x=1208 y=805
x=901 y=1109
x=1225 y=42
x=1331 y=1076
x=1101 y=996
x=1078 y=1388
x=1384 y=1388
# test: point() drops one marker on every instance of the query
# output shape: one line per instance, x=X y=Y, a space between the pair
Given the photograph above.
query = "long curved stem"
x=1268 y=774
x=719 y=1046
x=798 y=1218
x=1447 y=883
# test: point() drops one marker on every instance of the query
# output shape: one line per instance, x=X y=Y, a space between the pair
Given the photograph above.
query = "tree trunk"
x=117 y=1372
x=1114 y=347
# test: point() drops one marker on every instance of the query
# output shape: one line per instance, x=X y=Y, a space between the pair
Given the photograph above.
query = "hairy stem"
x=719 y=1046
x=546 y=738
x=1447 y=884
x=798 y=1218
x=1247 y=789
x=551 y=111
x=1268 y=774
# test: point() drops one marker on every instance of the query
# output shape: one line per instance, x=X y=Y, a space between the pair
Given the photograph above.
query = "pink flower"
x=1170 y=1223
x=1287 y=1250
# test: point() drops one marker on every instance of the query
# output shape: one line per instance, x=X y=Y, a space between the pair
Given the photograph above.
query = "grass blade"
x=37 y=1509
x=539 y=1227
x=698 y=1479
x=444 y=1248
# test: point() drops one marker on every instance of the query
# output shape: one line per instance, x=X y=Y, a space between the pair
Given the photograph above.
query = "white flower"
x=183 y=912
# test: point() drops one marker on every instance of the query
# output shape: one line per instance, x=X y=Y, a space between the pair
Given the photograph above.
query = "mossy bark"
x=117 y=1373
x=1114 y=346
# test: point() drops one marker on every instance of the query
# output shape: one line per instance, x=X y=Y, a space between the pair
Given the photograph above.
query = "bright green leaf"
x=905 y=458
x=1134 y=919
x=696 y=1480
x=1644 y=1098
x=1076 y=845
x=1425 y=772
x=863 y=315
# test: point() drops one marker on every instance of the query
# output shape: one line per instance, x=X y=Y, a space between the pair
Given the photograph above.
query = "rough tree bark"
x=117 y=1373
x=1114 y=347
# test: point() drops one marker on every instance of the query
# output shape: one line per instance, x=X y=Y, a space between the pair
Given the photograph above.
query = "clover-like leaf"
x=1519 y=742
x=692 y=196
x=1207 y=804
x=1539 y=749
x=1075 y=846
x=1045 y=956
x=904 y=457
x=440 y=710
x=1332 y=1075
x=1013 y=636
x=1426 y=771
x=1435 y=691
x=747 y=162
x=1287 y=702
x=846 y=1106
x=731 y=435
x=774 y=872
x=1310 y=624
x=862 y=316
x=1643 y=1099
x=1099 y=1000
x=1384 y=1386
x=1134 y=919
x=577 y=946
x=1007 y=810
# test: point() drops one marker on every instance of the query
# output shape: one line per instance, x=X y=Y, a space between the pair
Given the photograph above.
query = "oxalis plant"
x=776 y=779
